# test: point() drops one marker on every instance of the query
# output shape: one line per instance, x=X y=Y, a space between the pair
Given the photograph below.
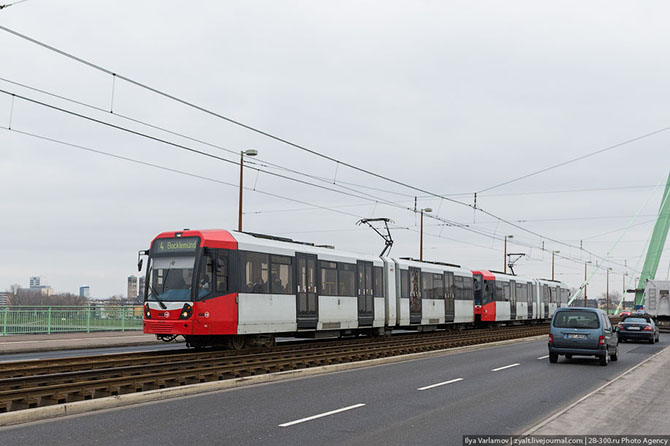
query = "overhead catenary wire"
x=214 y=180
x=7 y=5
x=115 y=75
x=579 y=158
x=263 y=163
x=304 y=148
x=266 y=163
x=196 y=151
x=79 y=115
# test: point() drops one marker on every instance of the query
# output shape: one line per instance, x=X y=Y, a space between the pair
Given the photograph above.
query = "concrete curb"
x=80 y=407
x=588 y=395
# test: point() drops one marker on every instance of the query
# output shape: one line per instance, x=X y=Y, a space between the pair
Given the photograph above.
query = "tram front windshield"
x=171 y=278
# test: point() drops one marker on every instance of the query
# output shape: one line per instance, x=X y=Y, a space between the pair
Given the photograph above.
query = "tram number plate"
x=576 y=336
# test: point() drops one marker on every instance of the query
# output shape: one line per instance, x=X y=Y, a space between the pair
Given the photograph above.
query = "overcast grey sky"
x=451 y=96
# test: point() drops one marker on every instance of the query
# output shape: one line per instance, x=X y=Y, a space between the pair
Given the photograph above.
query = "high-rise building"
x=132 y=287
x=35 y=282
x=140 y=288
x=85 y=291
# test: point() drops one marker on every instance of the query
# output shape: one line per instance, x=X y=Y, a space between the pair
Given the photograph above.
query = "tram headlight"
x=186 y=311
x=147 y=311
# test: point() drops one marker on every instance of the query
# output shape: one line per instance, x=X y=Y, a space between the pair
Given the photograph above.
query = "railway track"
x=29 y=384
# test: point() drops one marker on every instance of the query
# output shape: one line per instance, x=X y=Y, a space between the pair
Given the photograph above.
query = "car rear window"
x=576 y=319
x=639 y=320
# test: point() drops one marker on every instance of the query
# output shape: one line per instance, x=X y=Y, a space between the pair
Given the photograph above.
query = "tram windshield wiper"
x=155 y=294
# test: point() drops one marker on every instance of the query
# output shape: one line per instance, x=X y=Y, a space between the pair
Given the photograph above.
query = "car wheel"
x=652 y=340
x=553 y=358
x=605 y=359
x=615 y=356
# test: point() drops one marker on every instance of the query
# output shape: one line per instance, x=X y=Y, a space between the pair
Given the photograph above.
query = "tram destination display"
x=183 y=245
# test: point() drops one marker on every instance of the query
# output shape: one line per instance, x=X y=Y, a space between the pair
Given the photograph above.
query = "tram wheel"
x=236 y=343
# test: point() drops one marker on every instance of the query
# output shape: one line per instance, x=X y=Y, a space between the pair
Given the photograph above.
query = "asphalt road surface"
x=499 y=390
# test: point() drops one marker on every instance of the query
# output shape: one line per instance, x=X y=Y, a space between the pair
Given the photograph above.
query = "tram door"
x=308 y=307
x=414 y=295
x=365 y=294
x=529 y=291
x=449 y=310
x=512 y=300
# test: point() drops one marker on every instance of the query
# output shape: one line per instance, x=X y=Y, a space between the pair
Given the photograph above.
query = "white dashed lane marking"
x=440 y=384
x=321 y=415
x=505 y=367
x=543 y=357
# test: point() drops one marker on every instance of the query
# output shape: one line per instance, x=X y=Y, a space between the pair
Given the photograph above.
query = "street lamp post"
x=607 y=292
x=624 y=285
x=505 y=254
x=421 y=236
x=250 y=152
x=585 y=278
x=553 y=258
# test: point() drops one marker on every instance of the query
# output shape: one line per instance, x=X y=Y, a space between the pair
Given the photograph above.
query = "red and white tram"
x=235 y=288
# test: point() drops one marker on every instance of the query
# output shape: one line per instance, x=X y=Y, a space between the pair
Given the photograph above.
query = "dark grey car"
x=638 y=327
x=582 y=332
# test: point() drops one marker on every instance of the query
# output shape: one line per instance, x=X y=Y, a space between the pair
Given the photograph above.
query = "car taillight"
x=621 y=327
x=186 y=312
x=551 y=338
x=601 y=340
x=647 y=327
x=147 y=311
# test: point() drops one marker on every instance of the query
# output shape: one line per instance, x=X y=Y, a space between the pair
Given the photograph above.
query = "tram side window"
x=255 y=272
x=458 y=285
x=221 y=272
x=427 y=286
x=415 y=283
x=500 y=296
x=529 y=291
x=328 y=278
x=281 y=273
x=346 y=277
x=379 y=281
x=206 y=275
x=449 y=285
x=404 y=283
x=438 y=286
x=468 y=288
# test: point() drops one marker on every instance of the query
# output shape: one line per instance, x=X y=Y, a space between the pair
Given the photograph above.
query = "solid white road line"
x=440 y=384
x=543 y=357
x=506 y=367
x=325 y=414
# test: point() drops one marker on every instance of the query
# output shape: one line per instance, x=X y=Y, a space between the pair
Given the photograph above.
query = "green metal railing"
x=64 y=319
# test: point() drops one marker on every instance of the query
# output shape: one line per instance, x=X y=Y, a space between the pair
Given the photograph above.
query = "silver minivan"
x=582 y=332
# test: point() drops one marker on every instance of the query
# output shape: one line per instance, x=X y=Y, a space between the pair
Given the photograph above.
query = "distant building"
x=140 y=289
x=36 y=285
x=132 y=287
x=35 y=282
x=85 y=291
x=45 y=290
x=4 y=299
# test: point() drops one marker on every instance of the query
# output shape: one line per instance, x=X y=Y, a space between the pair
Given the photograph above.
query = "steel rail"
x=17 y=393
